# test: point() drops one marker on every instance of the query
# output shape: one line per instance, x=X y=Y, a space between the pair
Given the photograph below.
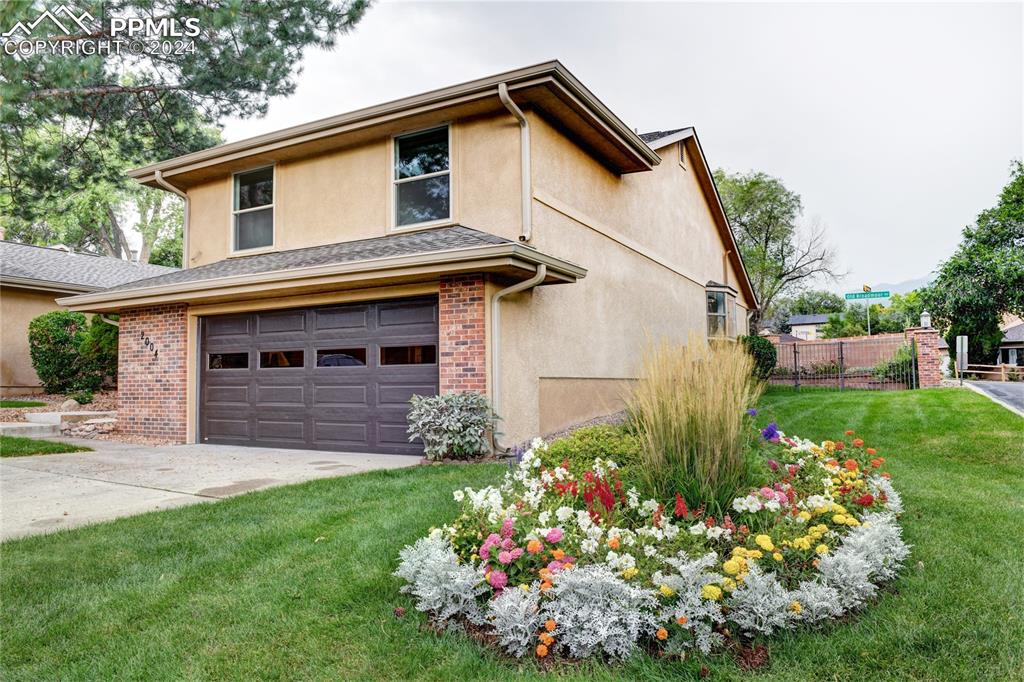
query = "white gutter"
x=109 y=321
x=159 y=177
x=526 y=180
x=542 y=271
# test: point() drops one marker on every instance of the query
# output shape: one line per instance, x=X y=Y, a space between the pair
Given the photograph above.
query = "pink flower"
x=497 y=579
x=516 y=553
x=773 y=465
x=554 y=535
x=485 y=551
x=505 y=557
x=493 y=539
x=793 y=468
x=555 y=566
x=507 y=529
x=508 y=544
x=767 y=493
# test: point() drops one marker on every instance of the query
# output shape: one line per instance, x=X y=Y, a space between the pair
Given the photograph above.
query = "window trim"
x=232 y=251
x=728 y=315
x=393 y=181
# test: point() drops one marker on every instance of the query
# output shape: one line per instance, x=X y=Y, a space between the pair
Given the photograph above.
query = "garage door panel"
x=315 y=378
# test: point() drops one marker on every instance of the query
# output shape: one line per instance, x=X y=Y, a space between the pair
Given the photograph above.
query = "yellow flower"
x=851 y=521
x=805 y=515
x=630 y=572
x=764 y=542
x=666 y=591
x=732 y=567
x=795 y=607
x=777 y=556
x=712 y=592
x=754 y=554
x=839 y=519
x=728 y=584
x=821 y=549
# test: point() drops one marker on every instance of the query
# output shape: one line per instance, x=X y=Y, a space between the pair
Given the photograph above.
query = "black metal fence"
x=877 y=363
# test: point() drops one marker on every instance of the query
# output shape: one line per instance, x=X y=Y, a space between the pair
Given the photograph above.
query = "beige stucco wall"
x=650 y=245
x=346 y=194
x=18 y=307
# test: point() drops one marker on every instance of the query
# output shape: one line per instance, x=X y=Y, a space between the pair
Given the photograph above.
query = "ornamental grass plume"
x=689 y=411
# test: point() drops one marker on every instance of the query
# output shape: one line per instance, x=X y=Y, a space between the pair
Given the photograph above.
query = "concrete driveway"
x=1007 y=393
x=48 y=492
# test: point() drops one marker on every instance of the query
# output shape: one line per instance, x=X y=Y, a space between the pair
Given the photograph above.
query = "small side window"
x=228 y=361
x=282 y=359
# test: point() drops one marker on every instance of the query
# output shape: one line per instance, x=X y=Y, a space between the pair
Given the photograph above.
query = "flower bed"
x=556 y=562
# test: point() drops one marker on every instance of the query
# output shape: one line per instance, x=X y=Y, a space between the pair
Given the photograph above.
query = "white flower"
x=649 y=506
x=589 y=546
x=772 y=505
x=718 y=532
x=563 y=514
x=632 y=498
x=544 y=518
x=459 y=495
x=671 y=530
x=650 y=550
x=697 y=529
x=750 y=503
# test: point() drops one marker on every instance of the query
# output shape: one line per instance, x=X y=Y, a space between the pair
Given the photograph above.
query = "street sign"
x=867 y=294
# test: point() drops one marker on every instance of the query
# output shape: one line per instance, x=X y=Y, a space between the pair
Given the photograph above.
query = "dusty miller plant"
x=760 y=604
x=451 y=425
x=515 y=617
x=441 y=585
x=691 y=575
x=595 y=611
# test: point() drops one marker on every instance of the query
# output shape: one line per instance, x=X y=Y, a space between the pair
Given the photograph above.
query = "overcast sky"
x=895 y=123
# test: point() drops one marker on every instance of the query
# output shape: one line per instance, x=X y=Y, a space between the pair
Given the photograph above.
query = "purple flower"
x=505 y=557
x=771 y=432
x=752 y=412
x=554 y=535
x=773 y=465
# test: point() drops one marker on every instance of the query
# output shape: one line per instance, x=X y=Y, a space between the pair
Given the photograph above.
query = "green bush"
x=54 y=340
x=68 y=353
x=582 y=446
x=81 y=397
x=454 y=425
x=764 y=354
x=899 y=368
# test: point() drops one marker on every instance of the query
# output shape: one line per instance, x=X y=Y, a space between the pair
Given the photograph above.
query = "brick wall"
x=929 y=357
x=463 y=361
x=152 y=376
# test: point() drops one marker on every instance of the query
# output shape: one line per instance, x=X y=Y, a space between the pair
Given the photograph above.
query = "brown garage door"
x=331 y=378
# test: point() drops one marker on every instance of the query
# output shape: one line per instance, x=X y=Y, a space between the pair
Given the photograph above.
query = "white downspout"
x=524 y=148
x=538 y=277
x=110 y=321
x=159 y=177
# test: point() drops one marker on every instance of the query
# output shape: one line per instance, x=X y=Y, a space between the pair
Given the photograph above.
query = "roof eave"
x=45 y=285
x=679 y=136
x=488 y=257
x=554 y=71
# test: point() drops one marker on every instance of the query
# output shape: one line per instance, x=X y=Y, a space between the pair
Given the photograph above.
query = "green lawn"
x=294 y=583
x=16 y=446
x=21 y=403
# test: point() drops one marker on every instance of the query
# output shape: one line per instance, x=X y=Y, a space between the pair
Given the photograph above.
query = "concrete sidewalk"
x=48 y=492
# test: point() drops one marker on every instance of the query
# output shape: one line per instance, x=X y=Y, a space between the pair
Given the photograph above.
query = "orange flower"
x=850 y=432
x=545 y=586
x=851 y=465
x=661 y=634
x=542 y=651
x=832 y=463
x=613 y=543
x=682 y=620
x=558 y=554
x=872 y=451
x=886 y=474
x=815 y=563
x=546 y=639
x=566 y=566
x=876 y=462
x=544 y=573
x=534 y=546
x=857 y=442
x=549 y=625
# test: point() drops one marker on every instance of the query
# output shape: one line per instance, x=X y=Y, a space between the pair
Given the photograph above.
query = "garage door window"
x=408 y=355
x=341 y=357
x=282 y=358
x=229 y=361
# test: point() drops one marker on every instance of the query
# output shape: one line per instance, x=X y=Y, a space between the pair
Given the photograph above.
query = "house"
x=31 y=278
x=1011 y=348
x=807 y=327
x=509 y=235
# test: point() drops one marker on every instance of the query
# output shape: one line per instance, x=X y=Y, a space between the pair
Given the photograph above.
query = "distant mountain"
x=904 y=286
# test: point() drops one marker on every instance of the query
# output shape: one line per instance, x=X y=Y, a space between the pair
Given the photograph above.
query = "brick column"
x=152 y=375
x=929 y=357
x=463 y=361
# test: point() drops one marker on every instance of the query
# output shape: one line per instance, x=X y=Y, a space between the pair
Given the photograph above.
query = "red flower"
x=857 y=442
x=710 y=522
x=657 y=516
x=850 y=432
x=865 y=500
x=840 y=445
x=871 y=451
x=681 y=511
x=728 y=524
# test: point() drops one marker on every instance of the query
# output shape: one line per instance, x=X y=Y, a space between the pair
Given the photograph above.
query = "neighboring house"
x=1011 y=348
x=31 y=277
x=509 y=235
x=807 y=327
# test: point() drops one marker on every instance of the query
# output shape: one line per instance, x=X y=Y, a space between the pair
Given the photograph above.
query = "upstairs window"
x=253 y=210
x=422 y=178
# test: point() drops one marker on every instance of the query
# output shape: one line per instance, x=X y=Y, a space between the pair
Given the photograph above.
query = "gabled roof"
x=548 y=88
x=816 y=318
x=423 y=254
x=654 y=137
x=40 y=267
x=1014 y=334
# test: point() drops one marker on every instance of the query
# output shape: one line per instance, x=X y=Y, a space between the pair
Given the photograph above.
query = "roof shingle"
x=74 y=270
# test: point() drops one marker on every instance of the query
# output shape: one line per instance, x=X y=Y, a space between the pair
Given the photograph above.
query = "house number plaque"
x=148 y=344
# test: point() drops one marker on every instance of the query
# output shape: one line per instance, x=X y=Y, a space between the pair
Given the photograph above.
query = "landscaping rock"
x=69 y=405
x=93 y=428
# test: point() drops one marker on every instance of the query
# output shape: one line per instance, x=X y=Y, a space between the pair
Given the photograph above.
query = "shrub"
x=764 y=353
x=451 y=425
x=582 y=446
x=54 y=340
x=81 y=397
x=898 y=368
x=689 y=413
x=99 y=355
